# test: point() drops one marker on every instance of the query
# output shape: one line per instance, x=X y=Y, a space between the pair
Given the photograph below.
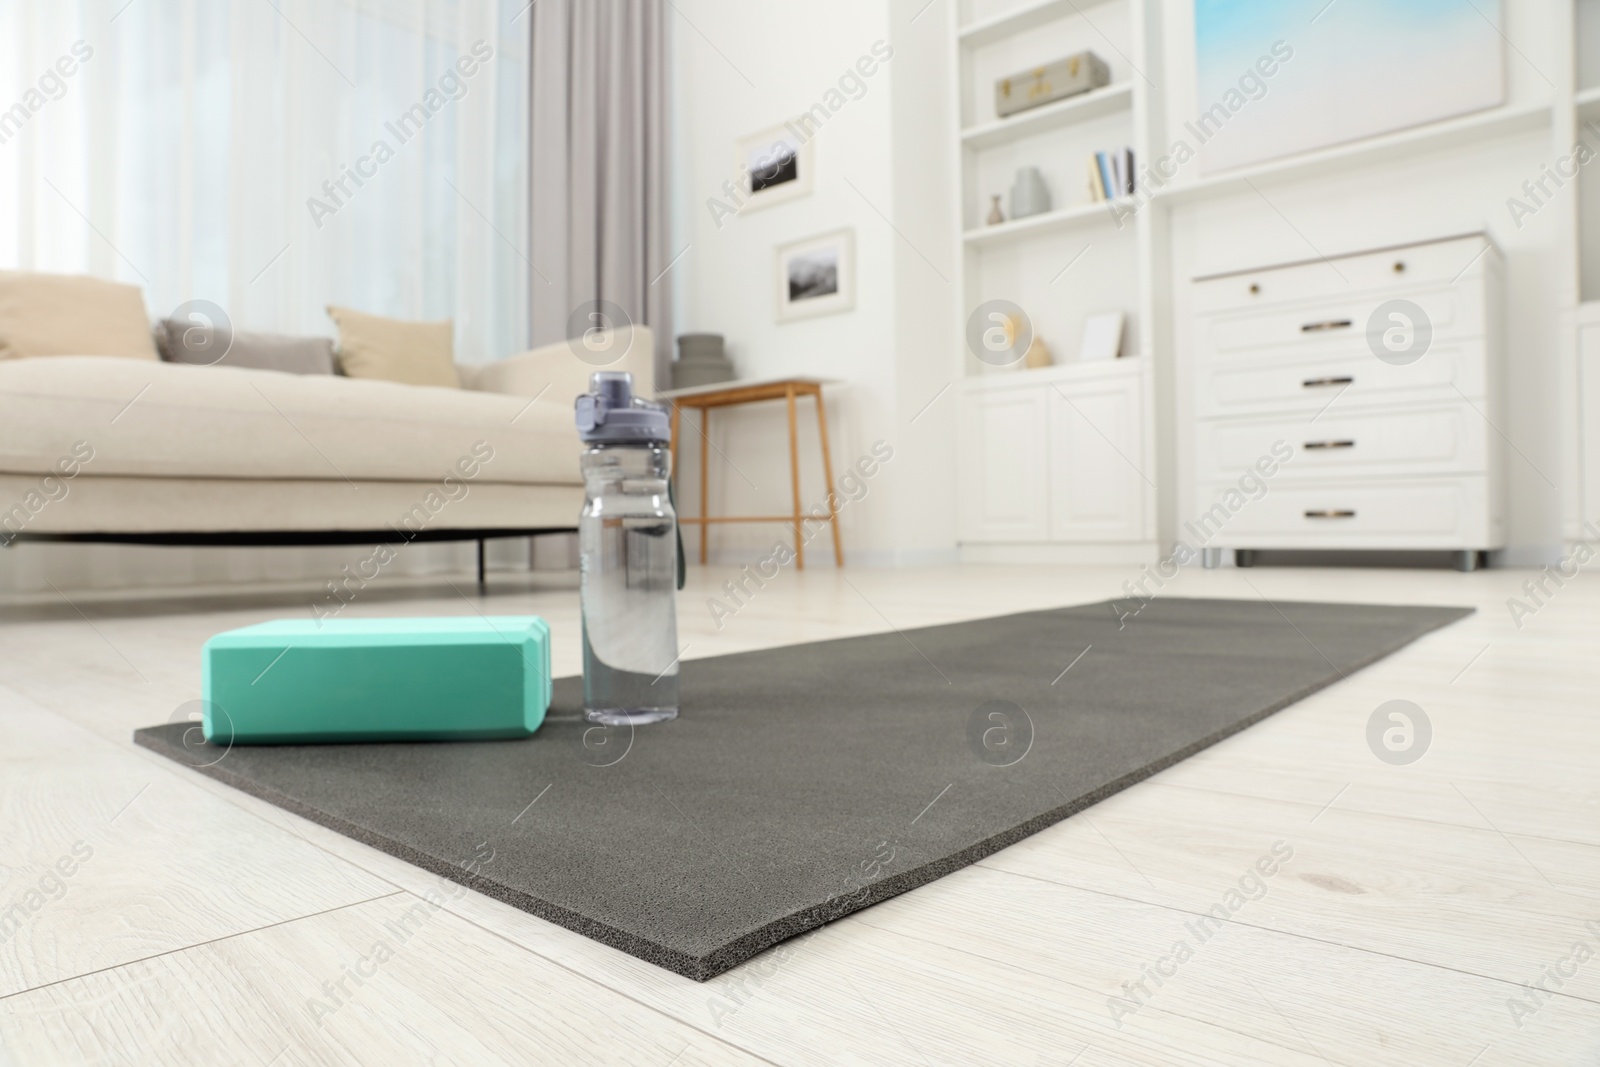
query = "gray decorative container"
x=1029 y=194
x=700 y=361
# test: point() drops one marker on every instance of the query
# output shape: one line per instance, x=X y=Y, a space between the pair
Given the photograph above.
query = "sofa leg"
x=482 y=583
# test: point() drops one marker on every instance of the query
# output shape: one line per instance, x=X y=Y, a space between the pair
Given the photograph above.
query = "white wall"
x=881 y=167
x=884 y=167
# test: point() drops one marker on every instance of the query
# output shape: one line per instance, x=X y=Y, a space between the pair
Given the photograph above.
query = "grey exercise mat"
x=803 y=783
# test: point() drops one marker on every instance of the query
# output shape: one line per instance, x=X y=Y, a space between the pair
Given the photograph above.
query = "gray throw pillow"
x=184 y=342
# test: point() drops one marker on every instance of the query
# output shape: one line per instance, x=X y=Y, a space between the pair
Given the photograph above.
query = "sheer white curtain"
x=275 y=156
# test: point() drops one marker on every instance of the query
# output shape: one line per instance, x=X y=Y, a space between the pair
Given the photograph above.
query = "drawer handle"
x=1319 y=383
x=1330 y=513
x=1331 y=324
x=1314 y=445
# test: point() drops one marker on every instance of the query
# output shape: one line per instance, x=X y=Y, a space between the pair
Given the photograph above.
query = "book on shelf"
x=1111 y=175
x=1097 y=192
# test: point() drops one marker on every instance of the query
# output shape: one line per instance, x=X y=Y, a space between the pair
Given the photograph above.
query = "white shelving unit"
x=1057 y=463
x=1090 y=105
x=1025 y=17
x=1074 y=217
x=1364 y=153
x=1082 y=257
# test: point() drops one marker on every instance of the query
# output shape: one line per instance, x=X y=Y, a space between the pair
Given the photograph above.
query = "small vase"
x=995 y=218
x=1038 y=355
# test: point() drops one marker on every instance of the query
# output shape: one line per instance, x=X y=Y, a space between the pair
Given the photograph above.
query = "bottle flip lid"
x=610 y=412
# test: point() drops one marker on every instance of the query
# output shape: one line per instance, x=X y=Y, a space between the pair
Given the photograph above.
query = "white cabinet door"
x=1003 y=468
x=1096 y=460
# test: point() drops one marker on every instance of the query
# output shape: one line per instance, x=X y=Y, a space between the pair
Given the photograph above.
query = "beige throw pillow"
x=71 y=315
x=393 y=350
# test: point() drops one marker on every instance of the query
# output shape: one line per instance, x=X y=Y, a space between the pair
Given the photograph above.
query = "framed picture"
x=1102 y=337
x=1370 y=67
x=779 y=165
x=816 y=276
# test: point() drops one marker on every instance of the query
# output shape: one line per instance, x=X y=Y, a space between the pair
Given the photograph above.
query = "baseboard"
x=905 y=557
x=820 y=555
x=1083 y=555
x=1534 y=556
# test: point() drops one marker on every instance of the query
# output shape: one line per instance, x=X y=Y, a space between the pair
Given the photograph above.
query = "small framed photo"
x=1102 y=337
x=779 y=164
x=816 y=276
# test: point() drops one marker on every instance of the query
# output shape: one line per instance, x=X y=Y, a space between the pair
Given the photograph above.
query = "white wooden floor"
x=1421 y=908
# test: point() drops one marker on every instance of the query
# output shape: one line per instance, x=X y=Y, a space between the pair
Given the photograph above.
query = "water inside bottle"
x=630 y=572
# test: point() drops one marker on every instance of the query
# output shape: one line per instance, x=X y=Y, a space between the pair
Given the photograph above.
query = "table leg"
x=794 y=479
x=705 y=493
x=673 y=417
x=827 y=479
x=672 y=438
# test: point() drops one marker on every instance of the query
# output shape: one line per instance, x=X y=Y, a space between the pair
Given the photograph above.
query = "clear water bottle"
x=627 y=538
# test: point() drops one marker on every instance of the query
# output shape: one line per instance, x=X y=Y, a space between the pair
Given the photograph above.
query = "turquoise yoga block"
x=303 y=681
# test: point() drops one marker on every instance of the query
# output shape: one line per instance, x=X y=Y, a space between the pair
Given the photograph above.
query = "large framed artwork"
x=1280 y=77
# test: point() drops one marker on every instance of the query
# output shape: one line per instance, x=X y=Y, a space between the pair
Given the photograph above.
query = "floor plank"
x=1456 y=898
x=109 y=859
x=395 y=980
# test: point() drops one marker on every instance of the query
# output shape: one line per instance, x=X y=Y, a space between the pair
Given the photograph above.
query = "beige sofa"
x=108 y=449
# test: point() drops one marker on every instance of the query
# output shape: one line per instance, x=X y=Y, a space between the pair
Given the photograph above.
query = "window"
x=275 y=157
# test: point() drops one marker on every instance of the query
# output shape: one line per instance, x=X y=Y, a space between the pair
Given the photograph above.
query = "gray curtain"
x=598 y=166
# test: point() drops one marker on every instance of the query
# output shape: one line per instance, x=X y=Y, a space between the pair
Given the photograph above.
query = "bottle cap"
x=610 y=413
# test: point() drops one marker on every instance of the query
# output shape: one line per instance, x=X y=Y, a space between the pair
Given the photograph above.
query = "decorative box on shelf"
x=1054 y=81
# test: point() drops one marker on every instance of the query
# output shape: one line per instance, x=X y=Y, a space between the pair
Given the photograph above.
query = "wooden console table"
x=728 y=394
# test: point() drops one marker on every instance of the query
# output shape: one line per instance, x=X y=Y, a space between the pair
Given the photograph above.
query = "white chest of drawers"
x=1348 y=403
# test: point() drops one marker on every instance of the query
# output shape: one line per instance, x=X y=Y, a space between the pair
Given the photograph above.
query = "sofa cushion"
x=393 y=350
x=255 y=351
x=170 y=420
x=558 y=373
x=70 y=315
